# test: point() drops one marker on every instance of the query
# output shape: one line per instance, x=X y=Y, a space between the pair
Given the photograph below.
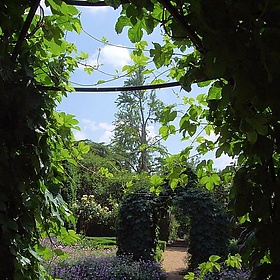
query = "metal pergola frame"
x=34 y=6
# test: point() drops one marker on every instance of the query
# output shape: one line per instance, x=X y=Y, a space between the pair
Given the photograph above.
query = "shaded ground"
x=174 y=262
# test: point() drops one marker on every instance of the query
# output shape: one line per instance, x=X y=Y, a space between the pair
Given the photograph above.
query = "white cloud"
x=91 y=125
x=108 y=132
x=115 y=56
x=104 y=125
x=95 y=126
x=95 y=131
x=79 y=135
x=106 y=137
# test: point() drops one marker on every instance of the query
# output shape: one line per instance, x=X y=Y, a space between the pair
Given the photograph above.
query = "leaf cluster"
x=209 y=230
x=35 y=140
x=136 y=229
x=235 y=49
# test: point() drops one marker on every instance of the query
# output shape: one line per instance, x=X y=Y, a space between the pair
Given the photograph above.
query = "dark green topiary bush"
x=209 y=233
x=136 y=229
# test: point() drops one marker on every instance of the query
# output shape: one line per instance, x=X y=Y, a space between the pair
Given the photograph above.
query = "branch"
x=181 y=21
x=24 y=30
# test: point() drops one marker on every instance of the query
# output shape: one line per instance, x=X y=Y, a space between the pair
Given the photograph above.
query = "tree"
x=95 y=186
x=98 y=174
x=137 y=111
x=235 y=52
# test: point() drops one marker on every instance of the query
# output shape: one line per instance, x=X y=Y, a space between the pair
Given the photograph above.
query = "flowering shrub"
x=88 y=211
x=109 y=268
x=226 y=273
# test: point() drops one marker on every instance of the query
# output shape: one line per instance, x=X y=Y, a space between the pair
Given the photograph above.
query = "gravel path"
x=174 y=262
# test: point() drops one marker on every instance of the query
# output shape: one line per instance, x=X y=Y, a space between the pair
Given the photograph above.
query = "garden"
x=56 y=193
x=95 y=258
x=141 y=226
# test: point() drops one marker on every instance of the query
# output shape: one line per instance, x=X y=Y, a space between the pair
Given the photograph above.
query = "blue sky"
x=95 y=111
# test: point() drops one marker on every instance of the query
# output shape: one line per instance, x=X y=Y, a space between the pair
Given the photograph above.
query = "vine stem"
x=24 y=30
x=181 y=21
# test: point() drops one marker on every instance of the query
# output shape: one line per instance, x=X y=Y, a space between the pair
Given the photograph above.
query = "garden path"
x=174 y=262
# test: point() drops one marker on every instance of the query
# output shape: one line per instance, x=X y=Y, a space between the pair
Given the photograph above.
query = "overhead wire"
x=86 y=4
x=113 y=89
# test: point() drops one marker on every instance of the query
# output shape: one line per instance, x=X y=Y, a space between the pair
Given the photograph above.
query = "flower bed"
x=108 y=268
x=85 y=261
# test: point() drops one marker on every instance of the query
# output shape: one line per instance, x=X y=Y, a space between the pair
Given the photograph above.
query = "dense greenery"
x=93 y=187
x=96 y=185
x=202 y=218
x=235 y=52
x=35 y=140
x=136 y=230
x=209 y=231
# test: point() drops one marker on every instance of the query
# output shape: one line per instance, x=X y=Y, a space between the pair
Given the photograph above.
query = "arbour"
x=209 y=230
x=140 y=214
x=35 y=140
x=136 y=229
x=237 y=46
x=236 y=52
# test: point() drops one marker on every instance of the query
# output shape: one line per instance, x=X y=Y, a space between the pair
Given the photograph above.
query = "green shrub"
x=136 y=229
x=173 y=229
x=88 y=211
x=209 y=232
x=162 y=245
x=233 y=246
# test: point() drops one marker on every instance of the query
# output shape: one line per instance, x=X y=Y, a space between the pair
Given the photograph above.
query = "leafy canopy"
x=234 y=51
x=35 y=140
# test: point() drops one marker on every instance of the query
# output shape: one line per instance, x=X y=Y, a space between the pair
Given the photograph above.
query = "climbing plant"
x=202 y=215
x=234 y=50
x=35 y=140
x=136 y=229
x=209 y=230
